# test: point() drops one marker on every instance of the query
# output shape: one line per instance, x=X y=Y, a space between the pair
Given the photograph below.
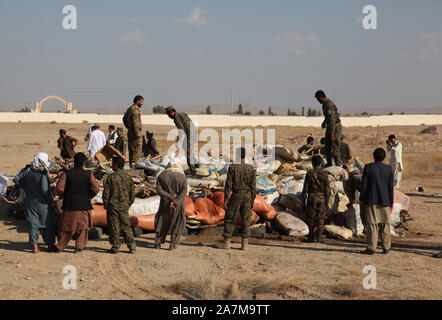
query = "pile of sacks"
x=279 y=185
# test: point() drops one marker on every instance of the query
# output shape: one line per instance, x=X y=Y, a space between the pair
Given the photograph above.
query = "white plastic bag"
x=3 y=184
x=339 y=232
x=353 y=220
x=292 y=225
x=273 y=198
x=145 y=207
x=293 y=187
x=395 y=218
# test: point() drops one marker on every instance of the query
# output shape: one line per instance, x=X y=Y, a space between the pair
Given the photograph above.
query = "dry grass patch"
x=426 y=166
x=196 y=290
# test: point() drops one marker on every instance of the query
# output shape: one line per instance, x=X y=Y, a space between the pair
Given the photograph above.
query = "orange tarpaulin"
x=207 y=211
x=99 y=219
x=261 y=207
x=189 y=206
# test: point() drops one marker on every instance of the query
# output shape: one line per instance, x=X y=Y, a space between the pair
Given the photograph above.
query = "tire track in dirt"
x=129 y=279
x=143 y=283
x=117 y=280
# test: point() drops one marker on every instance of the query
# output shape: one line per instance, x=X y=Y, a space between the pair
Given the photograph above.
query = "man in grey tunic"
x=171 y=218
x=38 y=203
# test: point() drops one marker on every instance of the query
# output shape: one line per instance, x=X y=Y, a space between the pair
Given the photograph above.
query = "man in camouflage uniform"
x=352 y=184
x=241 y=182
x=333 y=126
x=345 y=152
x=183 y=122
x=121 y=142
x=315 y=196
x=132 y=121
x=118 y=196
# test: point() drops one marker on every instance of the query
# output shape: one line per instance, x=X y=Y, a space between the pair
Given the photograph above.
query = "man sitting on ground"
x=308 y=148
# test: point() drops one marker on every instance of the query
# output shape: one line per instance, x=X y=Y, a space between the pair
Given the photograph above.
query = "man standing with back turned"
x=132 y=121
x=315 y=197
x=241 y=182
x=333 y=126
x=118 y=197
x=377 y=200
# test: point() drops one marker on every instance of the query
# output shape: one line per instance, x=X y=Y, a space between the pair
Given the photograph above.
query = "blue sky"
x=193 y=53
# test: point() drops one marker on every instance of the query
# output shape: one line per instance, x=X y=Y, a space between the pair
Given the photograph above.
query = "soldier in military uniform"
x=118 y=196
x=183 y=122
x=239 y=197
x=352 y=184
x=333 y=126
x=121 y=142
x=132 y=121
x=315 y=196
x=345 y=152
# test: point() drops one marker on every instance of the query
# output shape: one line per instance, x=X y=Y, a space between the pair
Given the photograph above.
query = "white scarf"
x=41 y=161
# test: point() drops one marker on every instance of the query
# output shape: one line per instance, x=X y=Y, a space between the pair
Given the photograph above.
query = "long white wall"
x=226 y=120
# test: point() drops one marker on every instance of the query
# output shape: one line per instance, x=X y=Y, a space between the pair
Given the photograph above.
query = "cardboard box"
x=106 y=154
x=402 y=199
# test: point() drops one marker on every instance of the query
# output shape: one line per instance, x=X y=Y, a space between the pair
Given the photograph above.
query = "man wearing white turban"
x=38 y=202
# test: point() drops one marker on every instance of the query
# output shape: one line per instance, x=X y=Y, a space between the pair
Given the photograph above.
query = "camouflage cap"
x=120 y=130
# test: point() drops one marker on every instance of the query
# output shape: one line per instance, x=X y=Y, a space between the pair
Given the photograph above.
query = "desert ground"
x=272 y=268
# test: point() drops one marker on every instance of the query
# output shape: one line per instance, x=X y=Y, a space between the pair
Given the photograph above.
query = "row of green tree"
x=240 y=111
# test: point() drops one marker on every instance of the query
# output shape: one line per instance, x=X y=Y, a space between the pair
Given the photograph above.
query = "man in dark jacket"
x=377 y=199
x=77 y=187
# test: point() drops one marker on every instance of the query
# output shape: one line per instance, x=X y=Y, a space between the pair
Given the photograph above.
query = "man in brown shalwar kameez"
x=66 y=144
x=171 y=218
x=77 y=186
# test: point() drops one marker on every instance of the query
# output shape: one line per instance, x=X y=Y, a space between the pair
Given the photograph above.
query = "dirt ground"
x=272 y=268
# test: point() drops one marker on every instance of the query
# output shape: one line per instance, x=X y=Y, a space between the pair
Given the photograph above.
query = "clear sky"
x=193 y=53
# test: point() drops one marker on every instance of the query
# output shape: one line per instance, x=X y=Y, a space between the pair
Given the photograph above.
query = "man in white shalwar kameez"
x=97 y=141
x=395 y=148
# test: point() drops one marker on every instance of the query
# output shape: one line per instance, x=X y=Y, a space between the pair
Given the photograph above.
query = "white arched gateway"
x=68 y=105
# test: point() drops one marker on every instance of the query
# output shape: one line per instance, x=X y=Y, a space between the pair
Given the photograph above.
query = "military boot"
x=311 y=236
x=318 y=235
x=244 y=243
x=225 y=244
